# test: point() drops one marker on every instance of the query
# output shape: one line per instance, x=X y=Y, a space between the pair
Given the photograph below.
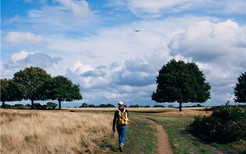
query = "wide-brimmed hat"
x=121 y=103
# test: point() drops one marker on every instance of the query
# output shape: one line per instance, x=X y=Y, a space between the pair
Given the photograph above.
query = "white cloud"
x=19 y=56
x=23 y=38
x=156 y=5
x=121 y=43
x=65 y=15
x=78 y=8
x=86 y=76
x=158 y=8
x=79 y=68
x=208 y=41
x=24 y=59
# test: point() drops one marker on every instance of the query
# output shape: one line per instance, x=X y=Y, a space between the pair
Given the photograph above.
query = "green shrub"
x=134 y=106
x=37 y=106
x=170 y=106
x=106 y=105
x=19 y=106
x=226 y=124
x=28 y=105
x=158 y=106
x=84 y=105
x=7 y=106
x=51 y=105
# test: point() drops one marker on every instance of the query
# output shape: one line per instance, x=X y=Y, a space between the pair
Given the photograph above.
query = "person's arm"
x=115 y=115
x=127 y=113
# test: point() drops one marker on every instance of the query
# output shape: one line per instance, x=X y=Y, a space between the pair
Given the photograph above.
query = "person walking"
x=121 y=117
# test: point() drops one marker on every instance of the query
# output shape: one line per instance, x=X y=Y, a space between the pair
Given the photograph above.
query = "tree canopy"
x=240 y=89
x=30 y=81
x=9 y=91
x=62 y=89
x=181 y=82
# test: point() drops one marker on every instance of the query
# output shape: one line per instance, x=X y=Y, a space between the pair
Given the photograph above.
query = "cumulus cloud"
x=208 y=41
x=136 y=72
x=25 y=59
x=87 y=76
x=23 y=38
x=114 y=82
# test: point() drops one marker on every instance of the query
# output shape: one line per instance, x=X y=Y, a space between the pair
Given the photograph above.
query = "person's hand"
x=113 y=130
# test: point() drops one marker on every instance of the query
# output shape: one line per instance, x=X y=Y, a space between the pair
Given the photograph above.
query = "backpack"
x=122 y=120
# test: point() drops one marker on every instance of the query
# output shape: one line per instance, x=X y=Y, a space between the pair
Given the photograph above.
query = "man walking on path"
x=121 y=117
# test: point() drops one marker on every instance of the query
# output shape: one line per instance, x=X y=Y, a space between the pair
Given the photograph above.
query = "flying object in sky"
x=137 y=30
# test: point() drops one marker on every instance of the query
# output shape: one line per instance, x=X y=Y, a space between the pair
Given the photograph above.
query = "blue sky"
x=95 y=44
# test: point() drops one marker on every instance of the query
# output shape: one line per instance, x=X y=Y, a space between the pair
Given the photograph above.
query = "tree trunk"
x=180 y=106
x=32 y=104
x=59 y=104
x=3 y=104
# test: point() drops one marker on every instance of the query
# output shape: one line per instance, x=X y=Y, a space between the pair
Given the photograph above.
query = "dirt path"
x=163 y=143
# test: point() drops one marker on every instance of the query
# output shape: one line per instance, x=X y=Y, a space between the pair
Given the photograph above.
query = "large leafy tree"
x=181 y=82
x=62 y=89
x=240 y=89
x=30 y=81
x=9 y=91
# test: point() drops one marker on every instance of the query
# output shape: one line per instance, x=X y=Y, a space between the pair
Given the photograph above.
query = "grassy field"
x=30 y=131
x=77 y=130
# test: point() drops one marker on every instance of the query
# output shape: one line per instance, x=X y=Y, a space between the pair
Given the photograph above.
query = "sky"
x=114 y=49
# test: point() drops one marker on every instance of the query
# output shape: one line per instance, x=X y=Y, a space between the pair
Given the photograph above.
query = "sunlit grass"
x=53 y=132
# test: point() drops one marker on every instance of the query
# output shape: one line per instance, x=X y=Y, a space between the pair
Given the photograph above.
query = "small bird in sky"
x=137 y=30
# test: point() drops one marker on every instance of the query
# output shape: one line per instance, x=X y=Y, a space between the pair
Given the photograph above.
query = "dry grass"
x=188 y=112
x=29 y=132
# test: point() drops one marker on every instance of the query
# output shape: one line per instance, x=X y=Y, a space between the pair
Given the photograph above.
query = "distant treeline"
x=51 y=105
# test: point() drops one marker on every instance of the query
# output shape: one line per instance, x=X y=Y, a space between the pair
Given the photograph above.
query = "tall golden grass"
x=34 y=132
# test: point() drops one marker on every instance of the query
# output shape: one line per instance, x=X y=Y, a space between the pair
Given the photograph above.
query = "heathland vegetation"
x=89 y=130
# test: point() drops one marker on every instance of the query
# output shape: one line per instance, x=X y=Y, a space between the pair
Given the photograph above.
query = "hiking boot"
x=121 y=148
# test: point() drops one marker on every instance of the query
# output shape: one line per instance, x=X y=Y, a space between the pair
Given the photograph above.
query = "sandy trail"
x=163 y=143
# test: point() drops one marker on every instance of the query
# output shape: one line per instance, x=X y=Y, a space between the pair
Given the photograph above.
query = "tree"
x=9 y=91
x=181 y=82
x=240 y=89
x=84 y=105
x=30 y=81
x=62 y=89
